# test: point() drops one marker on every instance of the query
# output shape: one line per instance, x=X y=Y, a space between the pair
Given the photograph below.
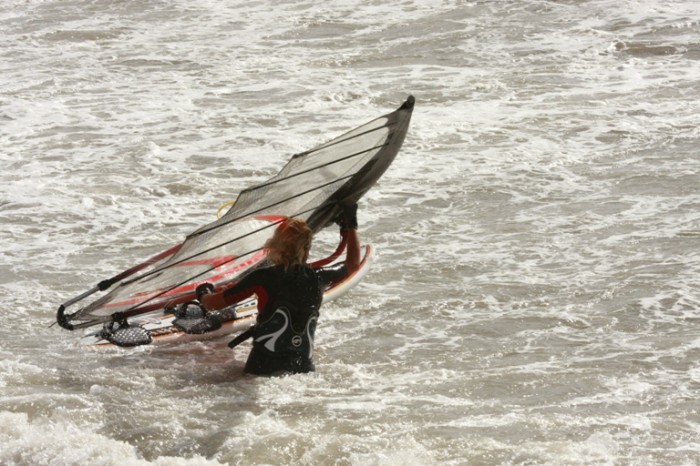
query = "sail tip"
x=410 y=101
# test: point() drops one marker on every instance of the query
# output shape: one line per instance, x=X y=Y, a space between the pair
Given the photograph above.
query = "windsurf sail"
x=311 y=185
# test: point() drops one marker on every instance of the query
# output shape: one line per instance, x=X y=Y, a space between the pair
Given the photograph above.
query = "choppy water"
x=536 y=298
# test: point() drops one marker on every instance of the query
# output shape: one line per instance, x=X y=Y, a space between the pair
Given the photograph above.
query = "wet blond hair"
x=290 y=244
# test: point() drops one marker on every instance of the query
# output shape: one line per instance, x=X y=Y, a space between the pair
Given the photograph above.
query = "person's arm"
x=352 y=254
x=213 y=301
x=235 y=293
x=348 y=228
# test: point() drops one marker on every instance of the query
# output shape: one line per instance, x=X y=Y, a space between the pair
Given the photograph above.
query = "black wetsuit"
x=288 y=309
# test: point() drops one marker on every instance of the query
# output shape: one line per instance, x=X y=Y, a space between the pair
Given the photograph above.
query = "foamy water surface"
x=536 y=296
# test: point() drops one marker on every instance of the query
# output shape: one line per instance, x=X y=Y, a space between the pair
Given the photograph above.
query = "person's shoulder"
x=331 y=268
x=299 y=269
x=261 y=272
x=270 y=270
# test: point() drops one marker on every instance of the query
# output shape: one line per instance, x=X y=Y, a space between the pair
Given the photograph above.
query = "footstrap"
x=126 y=335
x=192 y=318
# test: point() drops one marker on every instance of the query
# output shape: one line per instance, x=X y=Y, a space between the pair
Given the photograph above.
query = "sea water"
x=536 y=296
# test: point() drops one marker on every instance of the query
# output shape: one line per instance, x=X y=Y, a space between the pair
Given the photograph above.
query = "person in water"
x=289 y=294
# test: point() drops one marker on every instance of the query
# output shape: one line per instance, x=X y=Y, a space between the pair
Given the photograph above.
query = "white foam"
x=44 y=441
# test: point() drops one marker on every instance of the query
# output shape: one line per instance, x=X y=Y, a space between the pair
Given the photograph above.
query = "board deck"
x=235 y=318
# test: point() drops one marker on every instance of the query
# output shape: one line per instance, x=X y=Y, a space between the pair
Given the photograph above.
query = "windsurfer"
x=289 y=295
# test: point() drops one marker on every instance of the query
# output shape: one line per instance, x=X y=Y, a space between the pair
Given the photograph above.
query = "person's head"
x=290 y=244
